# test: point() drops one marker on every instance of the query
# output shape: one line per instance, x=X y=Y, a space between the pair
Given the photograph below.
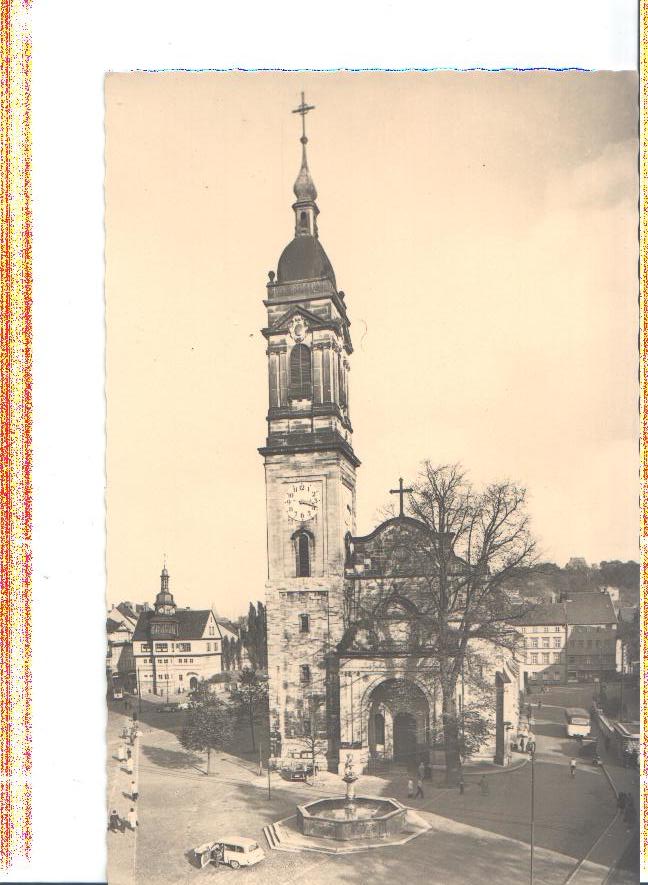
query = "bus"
x=577 y=722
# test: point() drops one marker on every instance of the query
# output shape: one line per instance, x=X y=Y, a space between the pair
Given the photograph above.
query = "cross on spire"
x=401 y=492
x=303 y=109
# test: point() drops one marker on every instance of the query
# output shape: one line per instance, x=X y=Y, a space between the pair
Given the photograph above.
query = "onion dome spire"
x=304 y=188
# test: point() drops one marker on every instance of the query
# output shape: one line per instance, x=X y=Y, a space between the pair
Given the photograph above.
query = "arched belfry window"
x=303 y=541
x=300 y=372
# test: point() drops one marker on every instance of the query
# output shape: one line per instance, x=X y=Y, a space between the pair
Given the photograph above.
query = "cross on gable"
x=401 y=492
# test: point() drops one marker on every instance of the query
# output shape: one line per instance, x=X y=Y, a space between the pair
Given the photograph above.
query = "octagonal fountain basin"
x=363 y=816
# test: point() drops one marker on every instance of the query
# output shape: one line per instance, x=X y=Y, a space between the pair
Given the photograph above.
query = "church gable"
x=396 y=546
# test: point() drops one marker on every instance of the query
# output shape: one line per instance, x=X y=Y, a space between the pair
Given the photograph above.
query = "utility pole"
x=621 y=689
x=268 y=771
x=532 y=812
x=139 y=689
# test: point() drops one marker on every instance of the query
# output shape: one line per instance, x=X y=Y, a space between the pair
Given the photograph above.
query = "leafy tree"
x=251 y=699
x=621 y=574
x=208 y=725
x=254 y=636
x=262 y=636
x=251 y=636
x=238 y=650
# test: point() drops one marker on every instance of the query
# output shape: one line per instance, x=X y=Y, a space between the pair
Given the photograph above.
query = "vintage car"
x=235 y=851
x=297 y=771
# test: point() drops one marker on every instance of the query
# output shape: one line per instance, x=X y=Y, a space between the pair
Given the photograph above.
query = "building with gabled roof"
x=574 y=639
x=175 y=648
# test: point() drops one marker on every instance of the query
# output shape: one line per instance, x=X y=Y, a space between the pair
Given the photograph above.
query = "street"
x=473 y=836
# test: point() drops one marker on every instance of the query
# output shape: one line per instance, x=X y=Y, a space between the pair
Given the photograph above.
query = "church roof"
x=304 y=258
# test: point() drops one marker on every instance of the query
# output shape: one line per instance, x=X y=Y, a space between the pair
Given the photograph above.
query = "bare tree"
x=313 y=737
x=455 y=560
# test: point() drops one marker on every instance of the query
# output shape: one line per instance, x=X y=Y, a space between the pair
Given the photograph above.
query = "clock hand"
x=308 y=504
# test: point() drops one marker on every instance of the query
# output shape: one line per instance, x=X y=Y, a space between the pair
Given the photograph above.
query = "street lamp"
x=532 y=811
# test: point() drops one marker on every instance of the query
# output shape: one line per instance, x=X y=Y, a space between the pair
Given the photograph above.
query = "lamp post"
x=532 y=812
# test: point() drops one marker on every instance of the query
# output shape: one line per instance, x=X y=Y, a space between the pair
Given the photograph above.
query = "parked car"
x=297 y=771
x=235 y=851
x=169 y=708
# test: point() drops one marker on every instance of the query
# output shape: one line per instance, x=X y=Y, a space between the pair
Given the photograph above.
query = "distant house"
x=120 y=665
x=570 y=640
x=175 y=648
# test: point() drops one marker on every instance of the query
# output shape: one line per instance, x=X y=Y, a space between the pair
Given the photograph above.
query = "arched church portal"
x=399 y=722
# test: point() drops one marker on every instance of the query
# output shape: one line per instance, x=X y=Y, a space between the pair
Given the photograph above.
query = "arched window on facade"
x=302 y=554
x=300 y=372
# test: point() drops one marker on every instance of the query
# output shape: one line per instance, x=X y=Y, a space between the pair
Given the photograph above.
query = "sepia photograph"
x=373 y=581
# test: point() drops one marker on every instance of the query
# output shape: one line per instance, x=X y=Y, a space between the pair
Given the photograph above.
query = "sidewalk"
x=122 y=846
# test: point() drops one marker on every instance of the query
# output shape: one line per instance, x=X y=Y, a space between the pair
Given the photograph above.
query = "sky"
x=484 y=229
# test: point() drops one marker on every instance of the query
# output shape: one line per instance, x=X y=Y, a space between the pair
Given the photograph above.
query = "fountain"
x=350 y=816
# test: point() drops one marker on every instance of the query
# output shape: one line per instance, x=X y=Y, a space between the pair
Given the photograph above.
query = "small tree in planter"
x=208 y=725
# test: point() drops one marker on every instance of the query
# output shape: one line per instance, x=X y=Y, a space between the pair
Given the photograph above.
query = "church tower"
x=310 y=472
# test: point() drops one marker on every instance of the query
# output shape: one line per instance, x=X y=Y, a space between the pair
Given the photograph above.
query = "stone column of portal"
x=345 y=709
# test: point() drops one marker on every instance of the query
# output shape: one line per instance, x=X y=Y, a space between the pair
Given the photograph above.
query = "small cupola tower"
x=164 y=601
x=305 y=207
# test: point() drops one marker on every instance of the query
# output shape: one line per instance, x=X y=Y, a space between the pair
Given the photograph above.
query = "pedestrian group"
x=117 y=824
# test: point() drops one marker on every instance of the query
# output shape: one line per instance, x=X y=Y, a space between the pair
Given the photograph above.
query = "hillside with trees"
x=543 y=581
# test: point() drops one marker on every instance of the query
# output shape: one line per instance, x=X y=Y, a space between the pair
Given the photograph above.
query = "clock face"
x=303 y=500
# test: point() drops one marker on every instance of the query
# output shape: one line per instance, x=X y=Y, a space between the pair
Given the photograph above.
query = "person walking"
x=629 y=814
x=115 y=822
x=410 y=789
x=121 y=753
x=132 y=819
x=419 y=788
x=462 y=785
x=522 y=740
x=572 y=767
x=129 y=765
x=134 y=790
x=421 y=770
x=483 y=785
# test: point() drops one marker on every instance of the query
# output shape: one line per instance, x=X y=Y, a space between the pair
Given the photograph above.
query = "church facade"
x=347 y=660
